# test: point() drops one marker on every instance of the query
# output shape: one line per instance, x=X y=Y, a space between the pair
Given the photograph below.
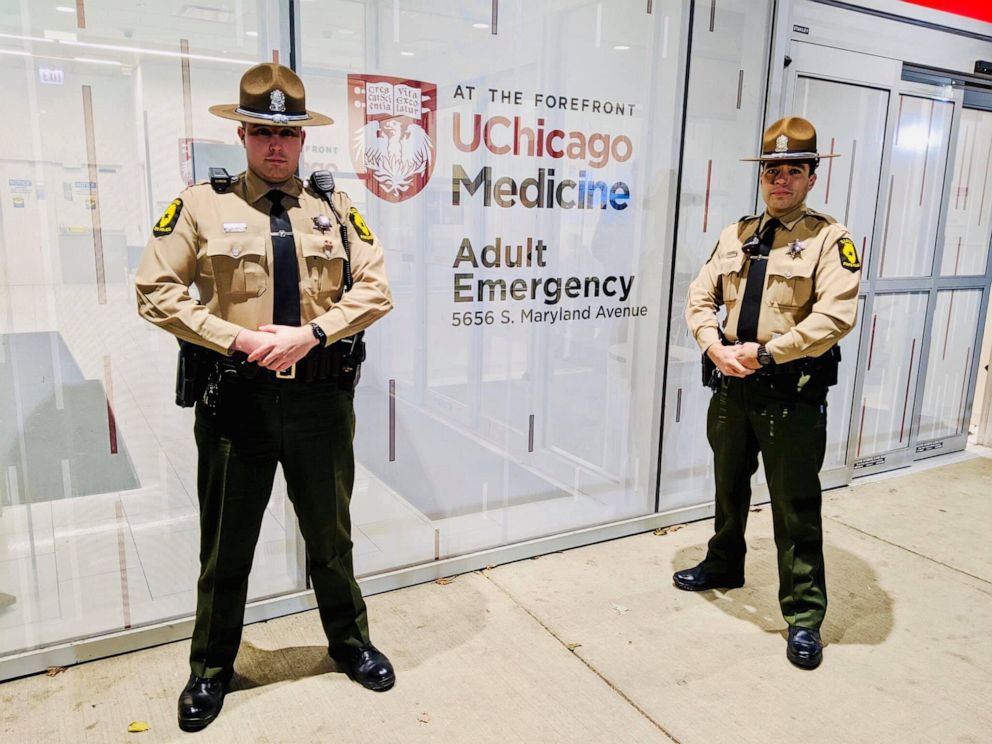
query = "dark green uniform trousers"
x=788 y=427
x=308 y=428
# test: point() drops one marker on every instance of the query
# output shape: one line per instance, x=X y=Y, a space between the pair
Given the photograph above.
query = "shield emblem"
x=392 y=123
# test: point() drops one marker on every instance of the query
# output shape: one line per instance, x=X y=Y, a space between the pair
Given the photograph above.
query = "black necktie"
x=747 y=323
x=286 y=274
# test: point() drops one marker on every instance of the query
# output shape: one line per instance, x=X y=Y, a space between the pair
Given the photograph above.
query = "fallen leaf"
x=619 y=609
x=52 y=671
x=136 y=727
x=424 y=717
x=665 y=530
x=445 y=581
x=572 y=646
x=490 y=567
x=756 y=509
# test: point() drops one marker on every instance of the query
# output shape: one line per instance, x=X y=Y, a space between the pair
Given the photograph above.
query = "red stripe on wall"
x=871 y=344
x=108 y=386
x=830 y=171
x=861 y=428
x=80 y=14
x=964 y=388
x=905 y=403
x=706 y=202
x=926 y=153
x=978 y=9
x=93 y=172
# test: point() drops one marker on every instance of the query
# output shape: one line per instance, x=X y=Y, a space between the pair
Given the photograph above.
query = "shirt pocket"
x=324 y=257
x=790 y=283
x=239 y=265
x=730 y=278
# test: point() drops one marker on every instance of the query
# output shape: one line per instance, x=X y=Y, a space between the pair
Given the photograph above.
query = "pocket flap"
x=236 y=246
x=790 y=268
x=732 y=264
x=326 y=247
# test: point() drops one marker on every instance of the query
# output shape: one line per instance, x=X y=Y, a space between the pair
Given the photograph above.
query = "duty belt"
x=318 y=365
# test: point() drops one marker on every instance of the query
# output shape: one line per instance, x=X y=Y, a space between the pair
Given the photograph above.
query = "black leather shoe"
x=698 y=579
x=200 y=702
x=805 y=648
x=367 y=665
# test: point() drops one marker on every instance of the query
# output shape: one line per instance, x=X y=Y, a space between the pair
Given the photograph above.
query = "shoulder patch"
x=848 y=255
x=360 y=227
x=167 y=222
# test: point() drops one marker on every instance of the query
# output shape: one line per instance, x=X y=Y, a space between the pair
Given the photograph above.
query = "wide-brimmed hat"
x=791 y=138
x=272 y=94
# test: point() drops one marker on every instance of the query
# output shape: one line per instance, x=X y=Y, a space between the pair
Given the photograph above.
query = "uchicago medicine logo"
x=393 y=127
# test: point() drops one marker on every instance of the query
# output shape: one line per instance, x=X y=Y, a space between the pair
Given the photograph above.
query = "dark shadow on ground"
x=859 y=610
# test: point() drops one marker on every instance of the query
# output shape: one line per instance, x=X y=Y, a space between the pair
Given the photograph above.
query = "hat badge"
x=781 y=143
x=277 y=100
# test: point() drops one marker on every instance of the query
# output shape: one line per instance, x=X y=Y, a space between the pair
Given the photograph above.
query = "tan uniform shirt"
x=810 y=298
x=222 y=244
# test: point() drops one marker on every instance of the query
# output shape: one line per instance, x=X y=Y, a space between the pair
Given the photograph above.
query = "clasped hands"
x=739 y=360
x=275 y=347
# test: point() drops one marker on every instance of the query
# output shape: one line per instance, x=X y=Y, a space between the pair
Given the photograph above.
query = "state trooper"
x=287 y=273
x=789 y=280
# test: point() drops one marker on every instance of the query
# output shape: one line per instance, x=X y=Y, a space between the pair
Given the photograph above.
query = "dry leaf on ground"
x=136 y=727
x=52 y=671
x=445 y=581
x=572 y=646
x=424 y=717
x=665 y=530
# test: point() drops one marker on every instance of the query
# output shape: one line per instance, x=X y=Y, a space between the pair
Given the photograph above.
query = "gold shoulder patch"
x=848 y=255
x=360 y=227
x=167 y=222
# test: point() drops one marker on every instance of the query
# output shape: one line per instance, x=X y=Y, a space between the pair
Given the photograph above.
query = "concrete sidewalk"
x=595 y=645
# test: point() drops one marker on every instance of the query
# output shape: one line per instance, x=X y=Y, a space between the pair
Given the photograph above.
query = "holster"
x=191 y=374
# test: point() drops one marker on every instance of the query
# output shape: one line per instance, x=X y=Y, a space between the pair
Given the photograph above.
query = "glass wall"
x=98 y=516
x=513 y=393
x=725 y=111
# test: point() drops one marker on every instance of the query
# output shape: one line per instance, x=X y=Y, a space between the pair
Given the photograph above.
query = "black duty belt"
x=320 y=364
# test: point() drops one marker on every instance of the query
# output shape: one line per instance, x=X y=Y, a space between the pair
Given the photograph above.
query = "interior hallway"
x=595 y=645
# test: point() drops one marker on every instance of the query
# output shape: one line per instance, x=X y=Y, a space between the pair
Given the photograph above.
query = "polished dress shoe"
x=200 y=701
x=805 y=648
x=698 y=579
x=367 y=665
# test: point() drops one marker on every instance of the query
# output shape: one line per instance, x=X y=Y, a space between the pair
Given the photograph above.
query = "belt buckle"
x=287 y=374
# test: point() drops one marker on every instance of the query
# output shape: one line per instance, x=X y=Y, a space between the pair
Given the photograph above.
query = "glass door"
x=910 y=193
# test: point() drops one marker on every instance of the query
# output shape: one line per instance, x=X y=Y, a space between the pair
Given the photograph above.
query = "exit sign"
x=51 y=76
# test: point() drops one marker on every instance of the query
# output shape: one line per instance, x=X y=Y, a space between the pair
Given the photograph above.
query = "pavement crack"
x=589 y=666
x=908 y=550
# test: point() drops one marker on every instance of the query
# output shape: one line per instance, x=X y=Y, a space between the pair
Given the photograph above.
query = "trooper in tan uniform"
x=789 y=280
x=287 y=274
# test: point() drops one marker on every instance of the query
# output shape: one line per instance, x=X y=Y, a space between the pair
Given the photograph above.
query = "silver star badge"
x=796 y=249
x=322 y=222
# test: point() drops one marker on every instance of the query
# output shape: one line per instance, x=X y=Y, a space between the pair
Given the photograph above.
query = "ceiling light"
x=94 y=61
x=621 y=47
x=64 y=9
x=406 y=54
x=480 y=25
x=251 y=33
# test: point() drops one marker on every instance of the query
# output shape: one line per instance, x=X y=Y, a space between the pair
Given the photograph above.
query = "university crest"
x=392 y=122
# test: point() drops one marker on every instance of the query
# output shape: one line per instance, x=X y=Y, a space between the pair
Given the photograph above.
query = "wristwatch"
x=764 y=358
x=318 y=333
